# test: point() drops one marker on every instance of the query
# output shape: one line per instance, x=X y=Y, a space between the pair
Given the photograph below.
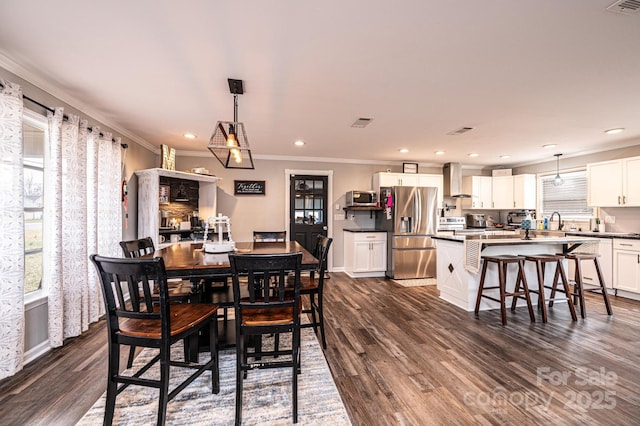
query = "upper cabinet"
x=394 y=179
x=614 y=183
x=408 y=179
x=524 y=191
x=500 y=192
x=479 y=187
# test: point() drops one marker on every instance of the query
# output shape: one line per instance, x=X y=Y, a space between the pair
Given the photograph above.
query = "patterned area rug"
x=418 y=282
x=266 y=396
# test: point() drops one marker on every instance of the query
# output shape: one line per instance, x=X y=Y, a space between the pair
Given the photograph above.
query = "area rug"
x=418 y=282
x=266 y=395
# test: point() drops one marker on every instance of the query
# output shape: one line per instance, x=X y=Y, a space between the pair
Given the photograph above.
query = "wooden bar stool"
x=502 y=262
x=541 y=260
x=578 y=287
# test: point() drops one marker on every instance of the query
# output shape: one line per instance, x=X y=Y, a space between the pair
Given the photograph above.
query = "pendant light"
x=558 y=181
x=229 y=143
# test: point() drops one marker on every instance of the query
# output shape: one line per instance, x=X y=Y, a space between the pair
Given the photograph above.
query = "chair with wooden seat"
x=502 y=262
x=579 y=285
x=269 y=236
x=268 y=310
x=145 y=322
x=541 y=261
x=179 y=289
x=313 y=285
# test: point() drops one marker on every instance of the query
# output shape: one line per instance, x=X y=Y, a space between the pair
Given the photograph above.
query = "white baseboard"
x=36 y=352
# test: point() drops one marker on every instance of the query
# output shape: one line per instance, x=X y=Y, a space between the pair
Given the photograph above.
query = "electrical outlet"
x=609 y=219
x=338 y=217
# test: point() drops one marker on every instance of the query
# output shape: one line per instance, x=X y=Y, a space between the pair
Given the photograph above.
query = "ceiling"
x=522 y=74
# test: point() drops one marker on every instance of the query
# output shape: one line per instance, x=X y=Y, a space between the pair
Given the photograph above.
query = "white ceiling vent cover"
x=362 y=122
x=626 y=7
x=460 y=131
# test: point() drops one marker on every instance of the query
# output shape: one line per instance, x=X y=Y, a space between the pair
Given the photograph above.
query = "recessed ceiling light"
x=473 y=154
x=439 y=152
x=549 y=145
x=189 y=136
x=404 y=150
x=505 y=156
x=614 y=131
x=298 y=143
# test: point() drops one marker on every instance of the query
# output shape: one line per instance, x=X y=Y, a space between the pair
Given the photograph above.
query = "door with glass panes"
x=308 y=215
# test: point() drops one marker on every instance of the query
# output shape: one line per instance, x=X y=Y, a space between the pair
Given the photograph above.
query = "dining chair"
x=268 y=310
x=143 y=322
x=313 y=286
x=179 y=289
x=269 y=236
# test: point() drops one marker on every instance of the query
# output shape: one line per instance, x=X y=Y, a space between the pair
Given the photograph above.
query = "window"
x=569 y=199
x=33 y=129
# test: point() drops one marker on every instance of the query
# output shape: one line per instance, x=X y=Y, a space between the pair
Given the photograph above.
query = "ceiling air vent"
x=626 y=7
x=460 y=131
x=362 y=122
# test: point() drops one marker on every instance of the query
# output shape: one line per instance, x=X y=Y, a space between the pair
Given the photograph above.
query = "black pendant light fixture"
x=229 y=143
x=558 y=181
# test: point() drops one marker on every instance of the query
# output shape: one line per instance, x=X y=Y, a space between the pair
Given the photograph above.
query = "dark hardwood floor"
x=401 y=356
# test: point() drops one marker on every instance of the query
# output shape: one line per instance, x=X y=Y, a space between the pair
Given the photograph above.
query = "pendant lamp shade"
x=229 y=143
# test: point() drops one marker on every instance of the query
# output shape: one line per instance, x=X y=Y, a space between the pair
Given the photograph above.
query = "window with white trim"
x=33 y=130
x=569 y=199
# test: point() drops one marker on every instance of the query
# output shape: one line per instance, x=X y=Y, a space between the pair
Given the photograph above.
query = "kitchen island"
x=458 y=263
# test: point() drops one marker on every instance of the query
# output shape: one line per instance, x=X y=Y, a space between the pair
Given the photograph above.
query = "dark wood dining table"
x=190 y=261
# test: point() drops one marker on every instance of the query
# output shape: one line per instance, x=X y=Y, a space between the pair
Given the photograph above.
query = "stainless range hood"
x=453 y=181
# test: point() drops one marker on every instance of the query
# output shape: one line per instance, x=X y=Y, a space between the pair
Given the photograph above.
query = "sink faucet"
x=560 y=224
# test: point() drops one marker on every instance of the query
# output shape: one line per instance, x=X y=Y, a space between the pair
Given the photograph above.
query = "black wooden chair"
x=269 y=236
x=313 y=285
x=268 y=309
x=179 y=289
x=142 y=321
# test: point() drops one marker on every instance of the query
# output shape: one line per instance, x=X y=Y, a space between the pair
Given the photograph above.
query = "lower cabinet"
x=365 y=254
x=626 y=265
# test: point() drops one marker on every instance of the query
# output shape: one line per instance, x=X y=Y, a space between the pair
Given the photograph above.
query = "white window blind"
x=569 y=199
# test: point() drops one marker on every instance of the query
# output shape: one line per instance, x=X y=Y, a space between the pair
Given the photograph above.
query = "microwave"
x=362 y=198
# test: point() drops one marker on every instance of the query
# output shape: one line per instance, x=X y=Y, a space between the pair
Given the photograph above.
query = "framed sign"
x=248 y=187
x=409 y=167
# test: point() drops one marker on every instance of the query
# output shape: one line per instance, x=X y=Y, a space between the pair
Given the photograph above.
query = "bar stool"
x=541 y=260
x=578 y=288
x=502 y=262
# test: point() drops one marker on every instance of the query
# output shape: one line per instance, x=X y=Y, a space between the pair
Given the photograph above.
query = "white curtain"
x=82 y=217
x=12 y=225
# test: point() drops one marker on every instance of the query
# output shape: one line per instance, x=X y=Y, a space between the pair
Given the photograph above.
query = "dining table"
x=189 y=260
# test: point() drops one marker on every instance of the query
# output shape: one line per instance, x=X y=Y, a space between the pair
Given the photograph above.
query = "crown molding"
x=34 y=79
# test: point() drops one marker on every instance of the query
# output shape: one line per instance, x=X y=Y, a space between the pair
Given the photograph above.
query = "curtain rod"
x=65 y=117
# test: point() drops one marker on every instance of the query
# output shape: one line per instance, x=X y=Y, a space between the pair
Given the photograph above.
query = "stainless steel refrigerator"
x=410 y=218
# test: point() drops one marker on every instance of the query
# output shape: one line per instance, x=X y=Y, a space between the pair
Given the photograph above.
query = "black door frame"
x=330 y=207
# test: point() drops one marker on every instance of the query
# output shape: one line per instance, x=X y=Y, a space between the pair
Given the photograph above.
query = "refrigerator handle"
x=417 y=211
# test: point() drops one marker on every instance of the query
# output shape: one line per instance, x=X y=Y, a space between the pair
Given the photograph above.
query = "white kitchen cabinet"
x=614 y=183
x=148 y=199
x=365 y=254
x=394 y=179
x=589 y=273
x=502 y=192
x=436 y=181
x=524 y=191
x=479 y=187
x=626 y=265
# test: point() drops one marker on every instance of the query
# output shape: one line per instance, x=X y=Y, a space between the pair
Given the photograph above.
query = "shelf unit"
x=149 y=199
x=371 y=210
